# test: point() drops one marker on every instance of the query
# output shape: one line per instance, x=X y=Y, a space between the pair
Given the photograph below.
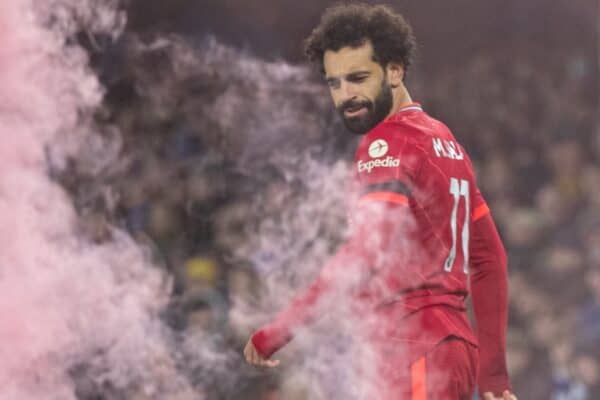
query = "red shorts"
x=447 y=372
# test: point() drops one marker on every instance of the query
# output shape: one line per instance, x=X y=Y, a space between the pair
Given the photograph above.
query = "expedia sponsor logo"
x=389 y=162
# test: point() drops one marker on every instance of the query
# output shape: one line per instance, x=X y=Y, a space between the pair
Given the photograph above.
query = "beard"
x=376 y=111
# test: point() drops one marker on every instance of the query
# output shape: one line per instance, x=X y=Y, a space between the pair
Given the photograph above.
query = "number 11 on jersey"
x=458 y=189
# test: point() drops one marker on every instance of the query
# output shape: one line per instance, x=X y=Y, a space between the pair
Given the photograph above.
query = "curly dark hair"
x=354 y=24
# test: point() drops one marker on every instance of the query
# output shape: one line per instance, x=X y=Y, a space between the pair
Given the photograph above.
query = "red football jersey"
x=422 y=240
x=414 y=161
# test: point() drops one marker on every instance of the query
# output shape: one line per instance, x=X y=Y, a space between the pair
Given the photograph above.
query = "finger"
x=267 y=363
x=257 y=358
x=488 y=396
x=508 y=396
x=271 y=363
x=254 y=358
x=247 y=352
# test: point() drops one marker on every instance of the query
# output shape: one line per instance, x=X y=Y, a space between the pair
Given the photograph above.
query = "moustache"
x=353 y=105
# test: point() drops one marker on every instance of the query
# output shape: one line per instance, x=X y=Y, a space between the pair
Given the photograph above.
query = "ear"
x=395 y=74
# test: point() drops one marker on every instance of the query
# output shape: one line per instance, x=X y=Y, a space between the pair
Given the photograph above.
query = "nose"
x=346 y=92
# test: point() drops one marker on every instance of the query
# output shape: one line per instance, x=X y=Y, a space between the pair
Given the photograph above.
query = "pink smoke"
x=64 y=299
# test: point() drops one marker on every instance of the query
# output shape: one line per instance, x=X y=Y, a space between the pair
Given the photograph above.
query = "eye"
x=357 y=79
x=333 y=83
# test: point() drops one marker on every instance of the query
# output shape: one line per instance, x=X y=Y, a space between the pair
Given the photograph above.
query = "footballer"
x=416 y=184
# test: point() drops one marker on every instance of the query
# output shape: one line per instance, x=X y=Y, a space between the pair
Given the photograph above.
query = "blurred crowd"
x=533 y=133
x=178 y=187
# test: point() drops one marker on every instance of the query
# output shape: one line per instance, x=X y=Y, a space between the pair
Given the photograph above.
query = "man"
x=422 y=234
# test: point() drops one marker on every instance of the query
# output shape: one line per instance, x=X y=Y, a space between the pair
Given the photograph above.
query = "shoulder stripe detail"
x=388 y=186
x=418 y=371
x=388 y=197
x=480 y=212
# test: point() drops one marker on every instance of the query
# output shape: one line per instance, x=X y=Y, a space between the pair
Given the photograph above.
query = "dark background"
x=447 y=30
x=516 y=81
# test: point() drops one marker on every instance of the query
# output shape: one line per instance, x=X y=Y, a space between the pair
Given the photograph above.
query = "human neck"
x=401 y=99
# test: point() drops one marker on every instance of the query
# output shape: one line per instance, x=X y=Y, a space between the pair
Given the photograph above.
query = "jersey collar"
x=406 y=108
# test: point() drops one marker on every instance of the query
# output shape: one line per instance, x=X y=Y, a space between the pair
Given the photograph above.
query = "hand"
x=505 y=396
x=253 y=358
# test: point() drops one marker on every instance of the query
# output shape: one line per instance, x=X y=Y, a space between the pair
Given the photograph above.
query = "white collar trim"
x=411 y=108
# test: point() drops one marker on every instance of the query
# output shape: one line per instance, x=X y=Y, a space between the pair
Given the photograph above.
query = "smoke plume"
x=69 y=308
x=83 y=316
x=273 y=125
